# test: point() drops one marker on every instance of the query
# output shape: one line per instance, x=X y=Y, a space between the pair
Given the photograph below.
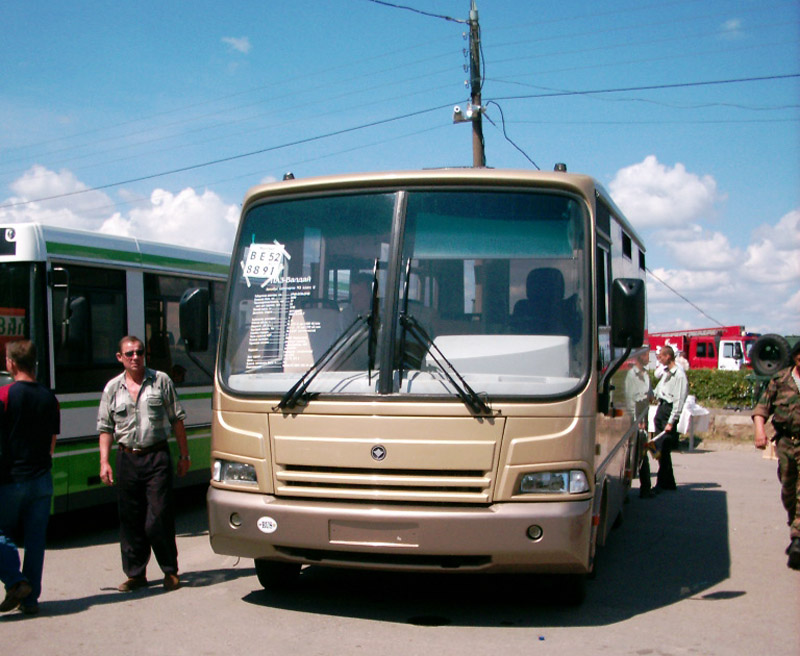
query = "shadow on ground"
x=113 y=596
x=677 y=547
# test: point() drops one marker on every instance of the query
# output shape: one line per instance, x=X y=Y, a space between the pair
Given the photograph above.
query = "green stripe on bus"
x=90 y=444
x=157 y=260
x=74 y=250
x=194 y=397
x=93 y=403
x=70 y=405
x=76 y=466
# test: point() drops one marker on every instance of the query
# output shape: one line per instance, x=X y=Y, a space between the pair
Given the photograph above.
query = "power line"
x=339 y=110
x=651 y=87
x=637 y=28
x=505 y=134
x=347 y=65
x=385 y=121
x=280 y=167
x=660 y=103
x=183 y=122
x=721 y=121
x=228 y=159
x=418 y=11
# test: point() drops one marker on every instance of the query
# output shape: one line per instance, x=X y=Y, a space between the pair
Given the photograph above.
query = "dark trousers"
x=644 y=464
x=665 y=479
x=788 y=468
x=146 y=514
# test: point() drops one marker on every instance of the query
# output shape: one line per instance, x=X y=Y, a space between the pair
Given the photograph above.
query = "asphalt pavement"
x=698 y=571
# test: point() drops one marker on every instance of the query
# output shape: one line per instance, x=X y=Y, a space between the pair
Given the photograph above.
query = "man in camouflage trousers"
x=781 y=399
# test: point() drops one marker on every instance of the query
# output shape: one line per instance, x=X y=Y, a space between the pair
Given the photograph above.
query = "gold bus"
x=416 y=372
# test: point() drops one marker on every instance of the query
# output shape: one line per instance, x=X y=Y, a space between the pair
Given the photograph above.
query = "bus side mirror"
x=193 y=311
x=627 y=330
x=627 y=312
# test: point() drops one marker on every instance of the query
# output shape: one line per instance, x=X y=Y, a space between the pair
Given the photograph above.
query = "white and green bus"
x=75 y=294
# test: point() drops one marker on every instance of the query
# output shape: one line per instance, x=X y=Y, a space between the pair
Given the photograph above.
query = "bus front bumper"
x=494 y=538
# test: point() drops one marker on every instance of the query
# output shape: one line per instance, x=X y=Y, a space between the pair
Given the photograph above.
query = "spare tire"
x=769 y=355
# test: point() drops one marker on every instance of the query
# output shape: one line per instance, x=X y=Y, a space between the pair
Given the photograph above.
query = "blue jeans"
x=24 y=513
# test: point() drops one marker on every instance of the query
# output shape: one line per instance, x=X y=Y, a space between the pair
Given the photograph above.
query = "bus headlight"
x=228 y=471
x=573 y=481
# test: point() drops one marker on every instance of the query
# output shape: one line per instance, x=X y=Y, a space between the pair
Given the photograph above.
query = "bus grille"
x=418 y=485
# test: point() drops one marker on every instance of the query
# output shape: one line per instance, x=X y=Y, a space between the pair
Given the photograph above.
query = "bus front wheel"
x=275 y=575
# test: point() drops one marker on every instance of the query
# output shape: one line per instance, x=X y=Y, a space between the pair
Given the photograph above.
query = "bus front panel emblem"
x=378 y=452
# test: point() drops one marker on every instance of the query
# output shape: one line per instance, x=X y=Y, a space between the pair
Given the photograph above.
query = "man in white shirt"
x=671 y=392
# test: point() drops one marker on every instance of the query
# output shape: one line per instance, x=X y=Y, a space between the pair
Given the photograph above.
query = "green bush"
x=718 y=389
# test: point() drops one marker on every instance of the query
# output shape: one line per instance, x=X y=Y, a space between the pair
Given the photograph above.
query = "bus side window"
x=87 y=327
x=165 y=352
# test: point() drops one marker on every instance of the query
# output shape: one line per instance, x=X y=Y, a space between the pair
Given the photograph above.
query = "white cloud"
x=186 y=218
x=732 y=29
x=239 y=44
x=189 y=218
x=757 y=287
x=73 y=206
x=793 y=304
x=754 y=285
x=687 y=282
x=653 y=195
x=704 y=251
x=775 y=255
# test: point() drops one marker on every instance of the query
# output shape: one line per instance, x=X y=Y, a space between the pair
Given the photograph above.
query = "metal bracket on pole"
x=471 y=113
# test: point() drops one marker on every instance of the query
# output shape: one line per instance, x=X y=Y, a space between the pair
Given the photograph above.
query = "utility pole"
x=478 y=154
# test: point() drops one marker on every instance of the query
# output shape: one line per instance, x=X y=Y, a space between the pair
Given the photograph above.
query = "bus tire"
x=769 y=354
x=276 y=575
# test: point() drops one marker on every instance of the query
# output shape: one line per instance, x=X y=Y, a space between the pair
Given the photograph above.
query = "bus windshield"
x=22 y=311
x=392 y=292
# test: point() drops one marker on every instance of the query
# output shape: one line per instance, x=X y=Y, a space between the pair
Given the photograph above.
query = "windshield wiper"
x=372 y=321
x=468 y=395
x=403 y=313
x=348 y=341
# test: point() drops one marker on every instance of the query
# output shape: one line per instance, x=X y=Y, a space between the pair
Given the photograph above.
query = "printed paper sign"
x=264 y=262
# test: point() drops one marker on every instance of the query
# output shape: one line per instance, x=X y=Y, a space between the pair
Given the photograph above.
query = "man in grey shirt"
x=637 y=399
x=138 y=409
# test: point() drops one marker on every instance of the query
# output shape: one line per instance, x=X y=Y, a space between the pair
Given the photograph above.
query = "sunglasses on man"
x=130 y=354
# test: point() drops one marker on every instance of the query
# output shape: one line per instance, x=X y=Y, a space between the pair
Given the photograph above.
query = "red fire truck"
x=722 y=347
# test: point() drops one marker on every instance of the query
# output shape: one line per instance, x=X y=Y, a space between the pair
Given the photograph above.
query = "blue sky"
x=103 y=98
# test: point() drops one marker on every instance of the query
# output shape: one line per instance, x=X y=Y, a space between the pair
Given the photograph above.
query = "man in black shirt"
x=29 y=423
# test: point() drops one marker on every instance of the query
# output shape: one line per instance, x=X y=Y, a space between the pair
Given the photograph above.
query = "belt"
x=161 y=446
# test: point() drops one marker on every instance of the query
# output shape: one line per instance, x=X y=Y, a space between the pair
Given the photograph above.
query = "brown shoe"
x=133 y=583
x=171 y=582
x=14 y=595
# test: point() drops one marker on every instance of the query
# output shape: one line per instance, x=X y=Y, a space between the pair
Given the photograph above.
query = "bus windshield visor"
x=486 y=287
